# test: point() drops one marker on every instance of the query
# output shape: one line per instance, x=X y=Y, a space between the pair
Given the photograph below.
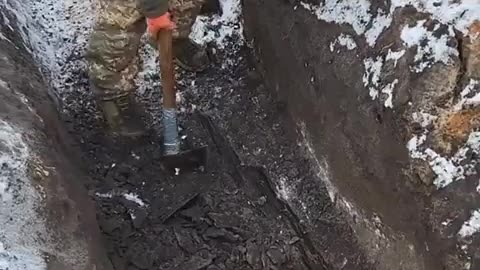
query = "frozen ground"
x=242 y=213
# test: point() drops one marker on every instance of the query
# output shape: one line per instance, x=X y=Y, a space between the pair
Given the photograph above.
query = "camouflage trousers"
x=113 y=47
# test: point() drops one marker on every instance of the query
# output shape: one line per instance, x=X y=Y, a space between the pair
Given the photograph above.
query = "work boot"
x=122 y=117
x=190 y=56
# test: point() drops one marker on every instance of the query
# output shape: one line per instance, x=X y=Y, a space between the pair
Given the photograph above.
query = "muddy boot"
x=190 y=56
x=122 y=117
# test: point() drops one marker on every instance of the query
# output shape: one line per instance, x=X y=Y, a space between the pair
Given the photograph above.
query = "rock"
x=276 y=256
x=472 y=51
x=138 y=256
x=197 y=262
x=186 y=239
x=109 y=225
x=262 y=200
x=138 y=215
x=222 y=234
x=118 y=262
x=293 y=240
x=222 y=220
x=253 y=255
x=194 y=213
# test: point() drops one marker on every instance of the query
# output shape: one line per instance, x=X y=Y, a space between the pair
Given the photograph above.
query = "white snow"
x=394 y=56
x=446 y=169
x=471 y=226
x=459 y=14
x=284 y=190
x=345 y=41
x=217 y=28
x=371 y=78
x=104 y=195
x=21 y=245
x=128 y=196
x=13 y=159
x=322 y=167
x=355 y=13
x=423 y=118
x=379 y=24
x=430 y=49
x=134 y=198
x=359 y=14
x=413 y=145
x=370 y=24
x=466 y=97
x=388 y=90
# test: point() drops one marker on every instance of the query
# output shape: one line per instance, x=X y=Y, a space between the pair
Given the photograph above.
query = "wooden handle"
x=167 y=68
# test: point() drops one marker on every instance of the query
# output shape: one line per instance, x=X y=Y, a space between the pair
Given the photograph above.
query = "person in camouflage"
x=113 y=47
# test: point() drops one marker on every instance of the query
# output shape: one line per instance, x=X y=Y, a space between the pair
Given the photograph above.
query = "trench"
x=240 y=212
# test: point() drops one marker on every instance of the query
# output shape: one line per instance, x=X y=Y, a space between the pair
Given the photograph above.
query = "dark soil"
x=227 y=215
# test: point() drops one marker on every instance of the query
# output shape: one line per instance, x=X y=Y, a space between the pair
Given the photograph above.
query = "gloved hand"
x=164 y=22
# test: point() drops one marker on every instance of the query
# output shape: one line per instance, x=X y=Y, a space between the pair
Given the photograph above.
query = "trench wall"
x=47 y=219
x=375 y=89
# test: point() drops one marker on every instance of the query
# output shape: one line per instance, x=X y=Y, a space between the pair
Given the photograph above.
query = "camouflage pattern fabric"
x=113 y=48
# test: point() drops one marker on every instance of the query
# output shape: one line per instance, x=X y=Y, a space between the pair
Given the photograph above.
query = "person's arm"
x=154 y=8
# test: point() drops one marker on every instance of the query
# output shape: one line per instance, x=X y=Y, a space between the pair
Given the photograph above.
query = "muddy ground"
x=227 y=216
x=235 y=213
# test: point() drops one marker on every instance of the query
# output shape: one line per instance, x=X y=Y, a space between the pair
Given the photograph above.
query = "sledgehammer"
x=173 y=156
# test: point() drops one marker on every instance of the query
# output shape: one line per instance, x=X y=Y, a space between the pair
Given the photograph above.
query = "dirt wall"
x=47 y=218
x=370 y=85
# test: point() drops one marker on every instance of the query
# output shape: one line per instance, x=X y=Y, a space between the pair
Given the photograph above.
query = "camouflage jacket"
x=154 y=8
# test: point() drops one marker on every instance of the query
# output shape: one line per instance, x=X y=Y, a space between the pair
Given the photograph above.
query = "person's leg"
x=189 y=55
x=113 y=62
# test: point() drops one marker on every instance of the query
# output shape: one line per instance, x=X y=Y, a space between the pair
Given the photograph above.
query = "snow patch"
x=372 y=78
x=423 y=118
x=355 y=13
x=323 y=170
x=283 y=190
x=394 y=56
x=345 y=41
x=459 y=14
x=360 y=15
x=430 y=48
x=13 y=159
x=388 y=90
x=220 y=28
x=128 y=196
x=446 y=169
x=21 y=241
x=134 y=198
x=104 y=195
x=470 y=95
x=471 y=226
